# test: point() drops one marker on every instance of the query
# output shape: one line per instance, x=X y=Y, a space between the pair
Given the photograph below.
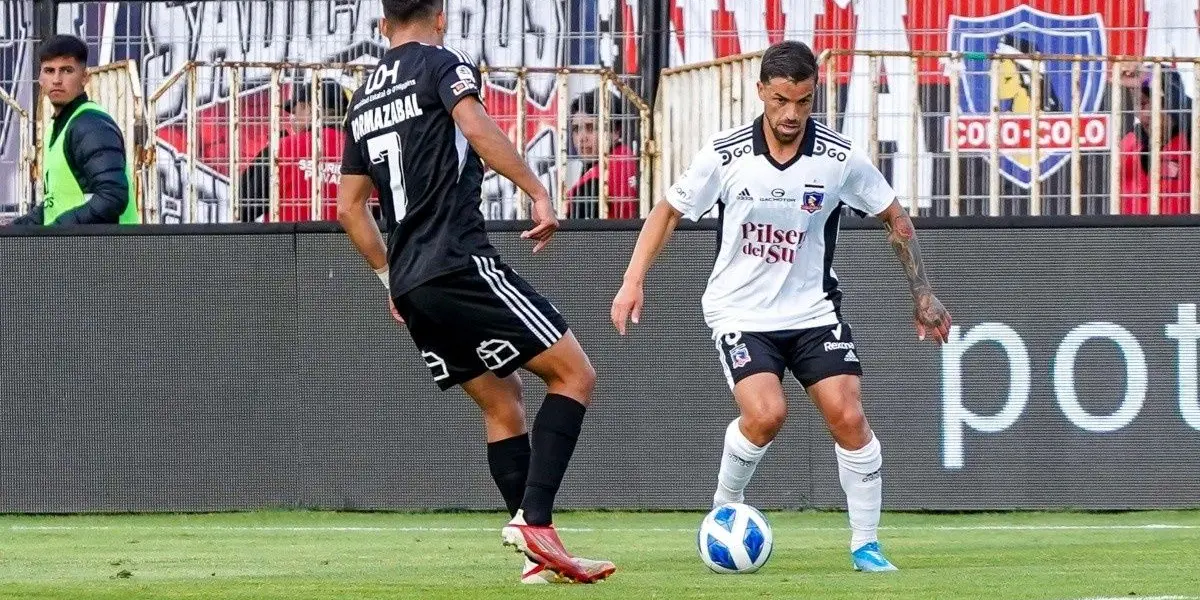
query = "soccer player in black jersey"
x=417 y=131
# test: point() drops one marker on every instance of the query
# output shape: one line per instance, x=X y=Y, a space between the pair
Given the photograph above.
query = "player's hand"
x=627 y=304
x=544 y=224
x=395 y=313
x=931 y=318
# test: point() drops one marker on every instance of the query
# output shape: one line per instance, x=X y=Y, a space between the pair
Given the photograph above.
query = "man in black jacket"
x=86 y=177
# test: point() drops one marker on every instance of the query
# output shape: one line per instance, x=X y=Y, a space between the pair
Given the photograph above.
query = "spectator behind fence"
x=1175 y=167
x=295 y=159
x=584 y=196
x=85 y=175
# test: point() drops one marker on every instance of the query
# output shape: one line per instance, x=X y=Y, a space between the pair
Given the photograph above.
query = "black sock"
x=508 y=460
x=555 y=431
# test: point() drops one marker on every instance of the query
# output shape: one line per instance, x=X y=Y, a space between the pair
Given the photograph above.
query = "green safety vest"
x=62 y=191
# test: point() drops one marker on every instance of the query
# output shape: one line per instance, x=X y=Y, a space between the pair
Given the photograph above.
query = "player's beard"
x=783 y=136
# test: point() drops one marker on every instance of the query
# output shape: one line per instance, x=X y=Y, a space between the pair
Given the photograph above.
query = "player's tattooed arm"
x=929 y=316
x=903 y=238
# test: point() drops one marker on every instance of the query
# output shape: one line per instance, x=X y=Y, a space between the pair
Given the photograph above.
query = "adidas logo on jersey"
x=851 y=357
x=745 y=195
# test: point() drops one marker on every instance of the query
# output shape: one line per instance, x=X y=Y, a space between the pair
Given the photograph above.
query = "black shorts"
x=476 y=320
x=810 y=354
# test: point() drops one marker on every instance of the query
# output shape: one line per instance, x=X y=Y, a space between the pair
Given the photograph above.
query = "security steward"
x=85 y=175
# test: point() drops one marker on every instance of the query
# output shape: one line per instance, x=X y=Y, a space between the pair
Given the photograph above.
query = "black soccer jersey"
x=400 y=133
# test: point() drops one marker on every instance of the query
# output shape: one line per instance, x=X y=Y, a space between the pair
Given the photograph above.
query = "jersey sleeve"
x=455 y=77
x=699 y=187
x=352 y=158
x=863 y=187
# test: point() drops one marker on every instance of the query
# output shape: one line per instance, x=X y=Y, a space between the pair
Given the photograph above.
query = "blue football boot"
x=869 y=559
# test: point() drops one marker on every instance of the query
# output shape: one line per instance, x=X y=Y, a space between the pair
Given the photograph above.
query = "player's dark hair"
x=407 y=11
x=64 y=46
x=789 y=60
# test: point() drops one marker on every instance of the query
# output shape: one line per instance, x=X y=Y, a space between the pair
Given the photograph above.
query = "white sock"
x=862 y=481
x=737 y=465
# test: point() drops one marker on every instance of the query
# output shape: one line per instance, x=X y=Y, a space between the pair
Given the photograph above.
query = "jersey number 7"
x=387 y=147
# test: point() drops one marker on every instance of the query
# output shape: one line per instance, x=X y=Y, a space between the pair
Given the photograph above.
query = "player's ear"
x=441 y=22
x=385 y=28
x=762 y=91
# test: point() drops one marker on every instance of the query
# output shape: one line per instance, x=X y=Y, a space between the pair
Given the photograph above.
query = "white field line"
x=1143 y=598
x=367 y=529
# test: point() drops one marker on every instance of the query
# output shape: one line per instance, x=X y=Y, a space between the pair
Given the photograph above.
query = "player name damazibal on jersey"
x=386 y=115
x=385 y=82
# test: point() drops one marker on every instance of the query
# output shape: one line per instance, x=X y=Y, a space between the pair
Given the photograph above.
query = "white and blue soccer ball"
x=734 y=538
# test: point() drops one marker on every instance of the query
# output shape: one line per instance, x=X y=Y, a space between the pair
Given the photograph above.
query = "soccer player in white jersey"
x=779 y=185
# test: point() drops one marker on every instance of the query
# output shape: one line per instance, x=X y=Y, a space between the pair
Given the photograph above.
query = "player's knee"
x=848 y=422
x=765 y=421
x=585 y=380
x=507 y=415
x=575 y=379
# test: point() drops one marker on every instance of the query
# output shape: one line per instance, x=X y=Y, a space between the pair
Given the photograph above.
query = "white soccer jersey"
x=778 y=224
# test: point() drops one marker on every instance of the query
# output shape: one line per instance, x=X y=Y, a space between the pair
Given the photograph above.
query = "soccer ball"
x=734 y=538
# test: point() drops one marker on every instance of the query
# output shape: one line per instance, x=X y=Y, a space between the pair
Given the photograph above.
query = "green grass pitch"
x=324 y=555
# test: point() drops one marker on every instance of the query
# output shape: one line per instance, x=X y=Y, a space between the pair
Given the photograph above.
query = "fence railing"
x=514 y=118
x=230 y=125
x=994 y=103
x=193 y=138
x=695 y=102
x=967 y=147
x=1041 y=127
x=25 y=157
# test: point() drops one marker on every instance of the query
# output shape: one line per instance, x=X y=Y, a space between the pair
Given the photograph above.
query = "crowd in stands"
x=1175 y=166
x=586 y=131
x=589 y=136
x=295 y=172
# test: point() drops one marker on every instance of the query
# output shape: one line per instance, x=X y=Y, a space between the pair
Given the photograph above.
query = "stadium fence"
x=697 y=101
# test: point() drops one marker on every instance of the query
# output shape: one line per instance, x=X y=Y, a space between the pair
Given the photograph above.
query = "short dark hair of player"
x=64 y=46
x=790 y=60
x=407 y=11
